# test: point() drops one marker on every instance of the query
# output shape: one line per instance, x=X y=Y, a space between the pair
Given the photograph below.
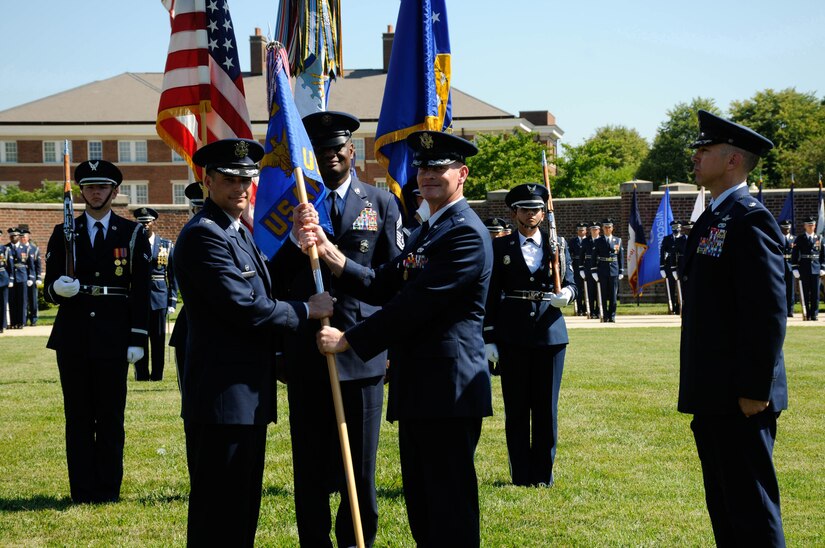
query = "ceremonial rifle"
x=551 y=222
x=68 y=211
x=669 y=298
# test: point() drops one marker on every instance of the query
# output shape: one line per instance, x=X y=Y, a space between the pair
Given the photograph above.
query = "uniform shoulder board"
x=207 y=221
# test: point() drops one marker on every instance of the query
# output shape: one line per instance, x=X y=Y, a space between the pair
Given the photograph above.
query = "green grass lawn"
x=626 y=471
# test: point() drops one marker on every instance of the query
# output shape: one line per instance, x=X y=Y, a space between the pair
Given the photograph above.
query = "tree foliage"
x=670 y=154
x=503 y=161
x=598 y=166
x=52 y=192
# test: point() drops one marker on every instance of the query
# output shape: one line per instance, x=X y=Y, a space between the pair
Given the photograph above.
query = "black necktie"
x=335 y=215
x=98 y=243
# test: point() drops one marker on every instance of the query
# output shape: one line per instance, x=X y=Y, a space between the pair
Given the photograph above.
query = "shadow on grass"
x=390 y=492
x=37 y=502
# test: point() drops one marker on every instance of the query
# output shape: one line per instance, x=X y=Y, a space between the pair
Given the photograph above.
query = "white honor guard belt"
x=809 y=256
x=607 y=259
x=529 y=295
x=159 y=277
x=102 y=290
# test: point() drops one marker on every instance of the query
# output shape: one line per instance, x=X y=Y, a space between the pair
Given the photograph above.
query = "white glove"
x=29 y=283
x=134 y=353
x=11 y=284
x=663 y=273
x=66 y=287
x=492 y=352
x=170 y=310
x=675 y=275
x=795 y=274
x=423 y=212
x=39 y=283
x=595 y=276
x=621 y=276
x=582 y=275
x=562 y=298
x=822 y=272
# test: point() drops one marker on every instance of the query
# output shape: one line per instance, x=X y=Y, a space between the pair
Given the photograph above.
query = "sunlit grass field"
x=626 y=471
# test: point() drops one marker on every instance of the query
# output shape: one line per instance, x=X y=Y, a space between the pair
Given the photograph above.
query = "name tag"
x=250 y=274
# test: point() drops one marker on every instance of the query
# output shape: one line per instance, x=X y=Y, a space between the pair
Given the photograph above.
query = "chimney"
x=538 y=117
x=388 y=38
x=257 y=53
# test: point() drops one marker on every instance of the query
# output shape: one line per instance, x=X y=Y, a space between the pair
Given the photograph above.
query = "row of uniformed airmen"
x=20 y=278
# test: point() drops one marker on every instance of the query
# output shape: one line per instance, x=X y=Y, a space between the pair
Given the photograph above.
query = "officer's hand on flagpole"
x=796 y=274
x=492 y=352
x=66 y=287
x=320 y=306
x=331 y=340
x=562 y=298
x=595 y=276
x=134 y=354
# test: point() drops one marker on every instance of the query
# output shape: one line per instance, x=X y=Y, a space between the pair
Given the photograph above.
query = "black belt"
x=102 y=290
x=529 y=295
x=21 y=265
x=607 y=259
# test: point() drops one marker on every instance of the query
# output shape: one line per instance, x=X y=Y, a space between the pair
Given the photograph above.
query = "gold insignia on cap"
x=241 y=149
x=426 y=141
x=326 y=119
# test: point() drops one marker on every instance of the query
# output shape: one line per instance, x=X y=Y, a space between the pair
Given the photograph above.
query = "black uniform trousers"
x=610 y=294
x=581 y=307
x=4 y=300
x=810 y=287
x=790 y=288
x=317 y=461
x=18 y=303
x=31 y=298
x=530 y=381
x=674 y=291
x=593 y=296
x=439 y=477
x=157 y=343
x=94 y=403
x=226 y=479
x=741 y=489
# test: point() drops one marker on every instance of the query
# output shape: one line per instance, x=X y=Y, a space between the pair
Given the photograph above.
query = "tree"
x=789 y=119
x=503 y=161
x=669 y=157
x=52 y=192
x=599 y=165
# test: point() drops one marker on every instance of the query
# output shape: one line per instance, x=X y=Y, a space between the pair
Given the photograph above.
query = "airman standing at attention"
x=670 y=261
x=788 y=240
x=808 y=264
x=607 y=268
x=586 y=272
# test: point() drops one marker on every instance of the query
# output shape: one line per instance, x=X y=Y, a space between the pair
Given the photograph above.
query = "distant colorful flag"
x=202 y=78
x=787 y=212
x=820 y=218
x=417 y=92
x=311 y=33
x=759 y=194
x=287 y=146
x=636 y=245
x=649 y=267
x=699 y=205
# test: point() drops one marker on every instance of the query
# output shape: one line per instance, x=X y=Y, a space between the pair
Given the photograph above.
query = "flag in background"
x=759 y=194
x=310 y=30
x=202 y=79
x=417 y=92
x=636 y=245
x=287 y=146
x=820 y=218
x=788 y=209
x=699 y=205
x=649 y=267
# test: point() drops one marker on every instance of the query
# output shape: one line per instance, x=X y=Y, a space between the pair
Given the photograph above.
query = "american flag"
x=202 y=76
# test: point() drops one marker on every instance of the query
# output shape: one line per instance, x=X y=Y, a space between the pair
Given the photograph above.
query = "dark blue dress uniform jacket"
x=361 y=245
x=100 y=326
x=164 y=288
x=521 y=321
x=733 y=274
x=228 y=376
x=808 y=256
x=434 y=295
x=608 y=248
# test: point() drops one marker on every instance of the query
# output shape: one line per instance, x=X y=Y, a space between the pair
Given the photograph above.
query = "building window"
x=53 y=152
x=177 y=158
x=360 y=154
x=131 y=151
x=95 y=150
x=381 y=183
x=138 y=193
x=179 y=193
x=8 y=152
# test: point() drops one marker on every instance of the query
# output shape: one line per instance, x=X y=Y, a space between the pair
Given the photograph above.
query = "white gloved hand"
x=11 y=284
x=663 y=273
x=675 y=275
x=795 y=274
x=170 y=310
x=492 y=352
x=134 y=353
x=66 y=287
x=582 y=275
x=822 y=273
x=29 y=283
x=595 y=276
x=39 y=283
x=423 y=212
x=562 y=298
x=621 y=276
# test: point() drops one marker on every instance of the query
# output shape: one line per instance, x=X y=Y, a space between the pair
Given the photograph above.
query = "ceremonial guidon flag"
x=820 y=217
x=788 y=209
x=310 y=30
x=649 y=267
x=287 y=146
x=699 y=204
x=417 y=92
x=202 y=80
x=636 y=245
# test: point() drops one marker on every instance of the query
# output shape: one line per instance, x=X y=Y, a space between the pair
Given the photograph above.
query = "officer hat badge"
x=93 y=165
x=426 y=141
x=326 y=120
x=241 y=149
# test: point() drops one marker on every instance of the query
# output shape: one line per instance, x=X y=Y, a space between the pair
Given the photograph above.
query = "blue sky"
x=591 y=62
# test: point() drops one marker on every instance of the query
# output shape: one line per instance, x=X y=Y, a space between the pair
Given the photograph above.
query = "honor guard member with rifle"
x=585 y=271
x=99 y=330
x=5 y=281
x=808 y=263
x=32 y=286
x=525 y=332
x=670 y=261
x=787 y=250
x=228 y=377
x=607 y=269
x=163 y=297
x=368 y=231
x=22 y=275
x=433 y=297
x=732 y=376
x=575 y=247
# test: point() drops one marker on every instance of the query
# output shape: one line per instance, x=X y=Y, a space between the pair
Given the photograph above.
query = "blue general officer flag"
x=287 y=146
x=417 y=92
x=788 y=209
x=649 y=267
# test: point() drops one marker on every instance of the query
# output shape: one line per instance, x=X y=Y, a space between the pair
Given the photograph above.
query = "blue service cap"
x=495 y=225
x=237 y=157
x=436 y=148
x=97 y=172
x=145 y=214
x=528 y=195
x=715 y=130
x=330 y=128
x=194 y=192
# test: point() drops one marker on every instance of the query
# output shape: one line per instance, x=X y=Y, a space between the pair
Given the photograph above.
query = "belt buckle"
x=535 y=295
x=96 y=290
